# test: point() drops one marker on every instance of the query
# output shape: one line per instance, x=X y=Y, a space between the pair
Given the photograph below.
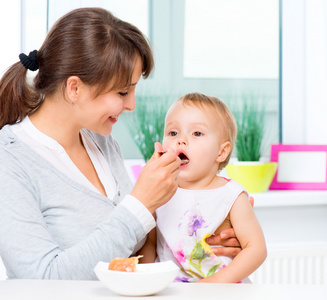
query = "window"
x=183 y=63
x=181 y=50
x=10 y=19
x=231 y=39
x=34 y=24
x=132 y=11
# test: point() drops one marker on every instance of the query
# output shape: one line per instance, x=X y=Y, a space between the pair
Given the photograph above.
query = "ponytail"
x=17 y=97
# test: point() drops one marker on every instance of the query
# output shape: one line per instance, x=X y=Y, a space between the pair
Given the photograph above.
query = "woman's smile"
x=114 y=118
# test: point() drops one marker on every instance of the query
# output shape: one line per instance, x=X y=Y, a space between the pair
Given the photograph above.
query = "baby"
x=202 y=131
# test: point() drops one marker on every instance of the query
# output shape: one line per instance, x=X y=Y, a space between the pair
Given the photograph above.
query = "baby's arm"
x=249 y=233
x=149 y=249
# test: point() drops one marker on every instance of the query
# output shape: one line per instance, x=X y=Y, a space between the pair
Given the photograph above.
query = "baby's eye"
x=197 y=133
x=172 y=133
x=123 y=94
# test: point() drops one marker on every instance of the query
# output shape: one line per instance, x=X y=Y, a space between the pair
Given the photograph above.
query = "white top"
x=61 y=222
x=53 y=152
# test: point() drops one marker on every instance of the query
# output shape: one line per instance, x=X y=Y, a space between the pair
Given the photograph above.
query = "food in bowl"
x=124 y=264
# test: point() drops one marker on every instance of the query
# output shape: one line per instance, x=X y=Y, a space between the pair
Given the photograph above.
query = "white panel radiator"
x=296 y=264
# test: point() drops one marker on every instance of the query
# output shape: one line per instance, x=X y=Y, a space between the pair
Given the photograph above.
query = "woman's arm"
x=251 y=238
x=51 y=229
x=31 y=250
x=148 y=251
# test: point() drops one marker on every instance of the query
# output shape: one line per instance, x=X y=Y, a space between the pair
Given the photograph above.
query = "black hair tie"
x=30 y=61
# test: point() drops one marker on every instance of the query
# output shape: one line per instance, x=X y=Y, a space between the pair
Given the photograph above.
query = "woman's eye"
x=123 y=94
x=172 y=133
x=197 y=133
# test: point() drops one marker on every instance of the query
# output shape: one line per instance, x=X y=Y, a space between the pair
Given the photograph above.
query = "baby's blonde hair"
x=224 y=115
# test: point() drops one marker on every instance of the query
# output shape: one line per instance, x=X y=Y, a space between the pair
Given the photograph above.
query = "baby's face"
x=195 y=136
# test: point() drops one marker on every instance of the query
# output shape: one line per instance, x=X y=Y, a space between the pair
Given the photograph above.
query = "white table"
x=82 y=290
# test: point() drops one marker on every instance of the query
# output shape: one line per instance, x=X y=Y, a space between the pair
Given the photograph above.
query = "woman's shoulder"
x=6 y=135
x=14 y=157
x=8 y=141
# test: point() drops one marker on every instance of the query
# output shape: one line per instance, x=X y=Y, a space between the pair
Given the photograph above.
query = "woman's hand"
x=228 y=244
x=157 y=182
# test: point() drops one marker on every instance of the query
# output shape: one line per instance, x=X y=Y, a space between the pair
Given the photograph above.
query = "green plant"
x=250 y=128
x=146 y=123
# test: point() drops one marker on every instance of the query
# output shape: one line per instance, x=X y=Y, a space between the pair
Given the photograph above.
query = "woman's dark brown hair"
x=89 y=43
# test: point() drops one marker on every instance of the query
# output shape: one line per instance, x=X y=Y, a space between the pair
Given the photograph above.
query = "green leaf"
x=197 y=252
x=213 y=270
x=197 y=268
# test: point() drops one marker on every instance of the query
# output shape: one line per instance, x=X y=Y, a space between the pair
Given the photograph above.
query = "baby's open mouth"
x=183 y=158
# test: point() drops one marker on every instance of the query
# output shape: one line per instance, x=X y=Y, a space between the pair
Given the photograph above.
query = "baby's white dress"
x=186 y=221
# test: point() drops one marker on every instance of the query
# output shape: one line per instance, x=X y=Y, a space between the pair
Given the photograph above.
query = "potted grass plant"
x=146 y=124
x=250 y=125
x=249 y=170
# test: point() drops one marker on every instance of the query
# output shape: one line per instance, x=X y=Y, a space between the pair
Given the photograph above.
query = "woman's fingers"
x=227 y=233
x=157 y=149
x=229 y=242
x=157 y=182
x=230 y=246
x=224 y=236
x=226 y=242
x=226 y=251
x=169 y=158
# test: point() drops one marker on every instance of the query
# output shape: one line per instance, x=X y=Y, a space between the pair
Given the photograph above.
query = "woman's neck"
x=55 y=118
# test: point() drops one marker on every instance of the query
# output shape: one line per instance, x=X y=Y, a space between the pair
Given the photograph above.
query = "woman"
x=66 y=201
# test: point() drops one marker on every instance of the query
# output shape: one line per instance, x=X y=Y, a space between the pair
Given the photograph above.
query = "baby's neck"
x=204 y=184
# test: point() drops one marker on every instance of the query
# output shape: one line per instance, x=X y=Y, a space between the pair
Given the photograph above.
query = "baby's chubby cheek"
x=167 y=146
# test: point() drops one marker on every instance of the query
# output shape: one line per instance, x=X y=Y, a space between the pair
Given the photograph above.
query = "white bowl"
x=148 y=280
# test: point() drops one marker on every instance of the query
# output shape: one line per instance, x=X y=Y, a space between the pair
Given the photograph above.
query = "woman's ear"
x=73 y=85
x=223 y=152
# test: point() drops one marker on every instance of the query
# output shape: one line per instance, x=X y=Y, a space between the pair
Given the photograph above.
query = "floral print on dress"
x=192 y=253
x=179 y=253
x=201 y=251
x=185 y=223
x=193 y=267
x=194 y=221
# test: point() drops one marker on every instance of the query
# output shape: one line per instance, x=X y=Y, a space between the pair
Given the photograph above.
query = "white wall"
x=10 y=30
x=304 y=71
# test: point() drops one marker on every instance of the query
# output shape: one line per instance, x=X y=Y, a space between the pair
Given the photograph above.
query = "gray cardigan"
x=54 y=228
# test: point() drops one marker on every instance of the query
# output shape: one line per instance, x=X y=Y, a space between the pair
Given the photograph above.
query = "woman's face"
x=101 y=113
